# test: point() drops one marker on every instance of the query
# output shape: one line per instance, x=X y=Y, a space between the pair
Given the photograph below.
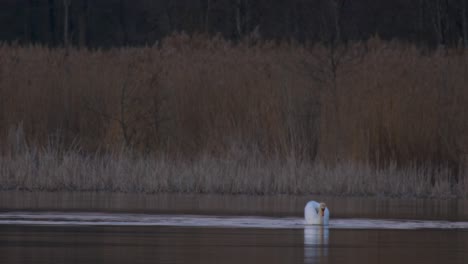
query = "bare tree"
x=242 y=18
x=123 y=22
x=66 y=22
x=52 y=25
x=337 y=7
x=327 y=67
x=464 y=23
x=83 y=24
x=206 y=5
x=336 y=48
x=138 y=109
x=440 y=21
x=28 y=21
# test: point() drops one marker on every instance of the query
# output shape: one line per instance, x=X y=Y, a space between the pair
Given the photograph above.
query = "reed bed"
x=238 y=173
x=199 y=114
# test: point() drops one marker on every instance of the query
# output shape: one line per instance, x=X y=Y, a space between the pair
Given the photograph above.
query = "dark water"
x=96 y=228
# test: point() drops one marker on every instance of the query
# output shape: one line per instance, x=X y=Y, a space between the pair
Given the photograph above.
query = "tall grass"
x=197 y=114
x=54 y=168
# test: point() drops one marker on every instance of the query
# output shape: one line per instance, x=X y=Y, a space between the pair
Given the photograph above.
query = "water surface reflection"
x=279 y=205
x=172 y=228
x=315 y=243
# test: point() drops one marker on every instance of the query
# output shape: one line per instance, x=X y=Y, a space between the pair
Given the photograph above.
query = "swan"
x=316 y=213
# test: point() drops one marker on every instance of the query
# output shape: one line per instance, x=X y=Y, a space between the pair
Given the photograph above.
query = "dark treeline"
x=105 y=23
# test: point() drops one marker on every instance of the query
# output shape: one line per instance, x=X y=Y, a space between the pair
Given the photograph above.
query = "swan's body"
x=316 y=213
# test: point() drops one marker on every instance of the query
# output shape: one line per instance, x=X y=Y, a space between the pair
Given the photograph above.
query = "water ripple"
x=121 y=219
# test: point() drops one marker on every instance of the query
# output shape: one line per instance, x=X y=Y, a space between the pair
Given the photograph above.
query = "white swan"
x=316 y=213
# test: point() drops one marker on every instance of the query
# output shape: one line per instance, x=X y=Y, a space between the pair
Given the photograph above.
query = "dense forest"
x=106 y=23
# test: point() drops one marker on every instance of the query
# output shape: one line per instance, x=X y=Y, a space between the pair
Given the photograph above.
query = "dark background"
x=106 y=23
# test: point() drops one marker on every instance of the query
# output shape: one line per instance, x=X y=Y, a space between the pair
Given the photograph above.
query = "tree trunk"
x=28 y=22
x=123 y=22
x=421 y=20
x=238 y=18
x=66 y=20
x=294 y=21
x=438 y=24
x=83 y=24
x=464 y=24
x=338 y=7
x=52 y=29
x=206 y=21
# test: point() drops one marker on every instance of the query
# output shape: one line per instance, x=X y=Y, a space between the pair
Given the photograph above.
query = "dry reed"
x=197 y=114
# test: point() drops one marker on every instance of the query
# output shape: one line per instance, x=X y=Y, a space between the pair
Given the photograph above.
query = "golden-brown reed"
x=206 y=115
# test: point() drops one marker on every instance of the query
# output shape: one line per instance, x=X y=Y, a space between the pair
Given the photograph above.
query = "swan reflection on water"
x=315 y=243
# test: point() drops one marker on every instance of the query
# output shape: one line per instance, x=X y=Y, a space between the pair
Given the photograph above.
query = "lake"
x=184 y=228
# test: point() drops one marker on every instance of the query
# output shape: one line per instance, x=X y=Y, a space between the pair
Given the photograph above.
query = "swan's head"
x=323 y=206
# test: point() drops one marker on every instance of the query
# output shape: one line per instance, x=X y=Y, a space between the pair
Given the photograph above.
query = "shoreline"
x=239 y=194
x=232 y=205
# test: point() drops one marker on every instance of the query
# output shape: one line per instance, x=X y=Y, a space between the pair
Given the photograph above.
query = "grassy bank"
x=196 y=114
x=237 y=172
